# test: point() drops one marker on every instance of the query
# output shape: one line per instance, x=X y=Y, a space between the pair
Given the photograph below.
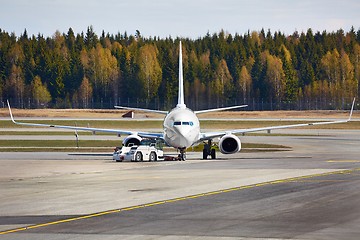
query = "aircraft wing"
x=211 y=135
x=115 y=131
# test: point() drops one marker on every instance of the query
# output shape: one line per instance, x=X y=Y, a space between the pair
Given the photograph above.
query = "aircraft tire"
x=213 y=154
x=205 y=153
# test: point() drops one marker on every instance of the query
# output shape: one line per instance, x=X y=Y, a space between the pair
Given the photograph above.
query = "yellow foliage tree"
x=276 y=76
x=85 y=92
x=102 y=69
x=14 y=85
x=222 y=82
x=150 y=72
x=40 y=92
x=245 y=82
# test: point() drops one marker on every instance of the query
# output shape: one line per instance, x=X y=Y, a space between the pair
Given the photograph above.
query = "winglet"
x=352 y=109
x=11 y=116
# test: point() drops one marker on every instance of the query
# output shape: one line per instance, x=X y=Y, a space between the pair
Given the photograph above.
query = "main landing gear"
x=209 y=150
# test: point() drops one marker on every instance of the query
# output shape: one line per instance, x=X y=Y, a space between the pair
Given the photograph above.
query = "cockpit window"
x=183 y=123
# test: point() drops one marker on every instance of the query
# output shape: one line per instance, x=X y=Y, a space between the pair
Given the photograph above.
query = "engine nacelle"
x=132 y=140
x=229 y=144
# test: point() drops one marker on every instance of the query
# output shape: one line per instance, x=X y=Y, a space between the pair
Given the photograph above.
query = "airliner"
x=182 y=127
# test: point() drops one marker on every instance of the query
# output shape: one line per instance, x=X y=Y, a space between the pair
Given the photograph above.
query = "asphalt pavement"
x=310 y=192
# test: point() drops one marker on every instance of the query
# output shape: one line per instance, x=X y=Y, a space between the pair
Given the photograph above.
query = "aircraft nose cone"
x=181 y=131
x=185 y=137
x=184 y=132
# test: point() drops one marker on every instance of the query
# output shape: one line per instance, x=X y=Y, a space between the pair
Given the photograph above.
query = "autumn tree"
x=149 y=70
x=275 y=76
x=222 y=84
x=330 y=65
x=349 y=83
x=357 y=67
x=245 y=83
x=85 y=93
x=340 y=74
x=15 y=86
x=102 y=68
x=40 y=93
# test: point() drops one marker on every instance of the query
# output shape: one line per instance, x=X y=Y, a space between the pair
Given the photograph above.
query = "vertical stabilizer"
x=181 y=103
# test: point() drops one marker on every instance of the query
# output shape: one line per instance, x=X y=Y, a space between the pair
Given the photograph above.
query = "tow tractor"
x=148 y=150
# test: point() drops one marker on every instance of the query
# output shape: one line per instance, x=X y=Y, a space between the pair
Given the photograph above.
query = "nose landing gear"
x=182 y=155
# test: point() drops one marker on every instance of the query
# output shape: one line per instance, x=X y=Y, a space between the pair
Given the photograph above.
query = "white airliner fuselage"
x=181 y=128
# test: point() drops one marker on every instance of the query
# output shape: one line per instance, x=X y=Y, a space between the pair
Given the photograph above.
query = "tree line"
x=266 y=70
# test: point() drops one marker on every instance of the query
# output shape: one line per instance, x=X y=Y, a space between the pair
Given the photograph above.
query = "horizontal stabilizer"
x=219 y=109
x=142 y=109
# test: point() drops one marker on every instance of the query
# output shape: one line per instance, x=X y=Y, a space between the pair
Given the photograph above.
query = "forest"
x=267 y=71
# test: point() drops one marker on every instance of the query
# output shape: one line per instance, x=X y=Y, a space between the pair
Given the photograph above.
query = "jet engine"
x=132 y=140
x=229 y=144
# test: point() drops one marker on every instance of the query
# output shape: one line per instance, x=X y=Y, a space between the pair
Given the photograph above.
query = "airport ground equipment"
x=148 y=150
x=120 y=152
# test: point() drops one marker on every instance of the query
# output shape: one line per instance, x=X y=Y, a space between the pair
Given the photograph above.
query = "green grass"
x=113 y=124
x=57 y=143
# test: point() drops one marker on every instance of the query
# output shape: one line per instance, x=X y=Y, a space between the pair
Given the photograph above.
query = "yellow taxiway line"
x=343 y=161
x=287 y=180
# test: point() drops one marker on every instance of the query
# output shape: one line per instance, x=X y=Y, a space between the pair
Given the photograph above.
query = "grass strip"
x=57 y=143
x=112 y=124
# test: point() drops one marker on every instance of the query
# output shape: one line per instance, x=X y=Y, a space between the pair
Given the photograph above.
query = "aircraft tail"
x=181 y=102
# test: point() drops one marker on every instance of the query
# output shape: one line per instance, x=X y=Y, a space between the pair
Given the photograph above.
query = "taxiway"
x=310 y=192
